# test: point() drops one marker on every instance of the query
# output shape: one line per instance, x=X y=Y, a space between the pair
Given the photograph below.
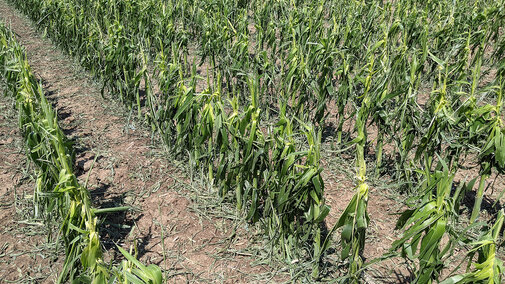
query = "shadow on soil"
x=115 y=227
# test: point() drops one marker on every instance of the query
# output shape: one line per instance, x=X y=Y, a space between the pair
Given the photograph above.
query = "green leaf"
x=453 y=280
x=347 y=232
x=500 y=148
x=403 y=218
x=324 y=211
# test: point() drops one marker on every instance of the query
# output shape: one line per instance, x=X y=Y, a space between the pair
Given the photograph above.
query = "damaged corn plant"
x=58 y=194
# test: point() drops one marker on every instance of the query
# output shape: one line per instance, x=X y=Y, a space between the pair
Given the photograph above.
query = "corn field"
x=245 y=90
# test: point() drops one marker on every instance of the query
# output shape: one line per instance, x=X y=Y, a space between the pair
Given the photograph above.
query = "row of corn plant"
x=354 y=220
x=257 y=165
x=58 y=192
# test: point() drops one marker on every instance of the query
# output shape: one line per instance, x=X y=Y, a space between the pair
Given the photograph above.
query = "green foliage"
x=488 y=268
x=426 y=225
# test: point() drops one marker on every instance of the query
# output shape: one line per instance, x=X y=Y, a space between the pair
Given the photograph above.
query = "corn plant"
x=426 y=225
x=488 y=122
x=354 y=220
x=488 y=268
